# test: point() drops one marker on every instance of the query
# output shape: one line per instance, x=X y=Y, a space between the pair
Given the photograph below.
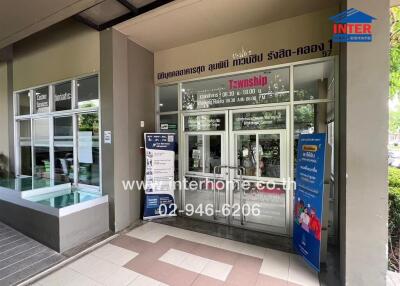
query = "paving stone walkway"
x=22 y=257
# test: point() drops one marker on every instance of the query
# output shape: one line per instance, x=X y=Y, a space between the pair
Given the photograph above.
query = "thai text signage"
x=309 y=197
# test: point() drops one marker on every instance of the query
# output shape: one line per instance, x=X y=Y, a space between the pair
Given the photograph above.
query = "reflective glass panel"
x=41 y=148
x=25 y=147
x=41 y=100
x=24 y=103
x=88 y=92
x=62 y=96
x=88 y=149
x=195 y=153
x=314 y=81
x=168 y=96
x=270 y=155
x=247 y=154
x=63 y=149
x=212 y=146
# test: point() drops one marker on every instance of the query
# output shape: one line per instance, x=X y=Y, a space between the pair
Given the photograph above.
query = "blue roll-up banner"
x=309 y=197
x=159 y=184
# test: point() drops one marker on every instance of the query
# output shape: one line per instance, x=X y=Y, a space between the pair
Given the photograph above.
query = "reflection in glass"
x=195 y=153
x=63 y=149
x=88 y=149
x=169 y=123
x=314 y=81
x=41 y=100
x=270 y=155
x=309 y=119
x=24 y=103
x=41 y=148
x=62 y=96
x=25 y=147
x=247 y=154
x=270 y=200
x=262 y=120
x=88 y=92
x=200 y=192
x=212 y=154
x=168 y=98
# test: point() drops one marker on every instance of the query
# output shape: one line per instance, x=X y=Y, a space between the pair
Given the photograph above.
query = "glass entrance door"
x=252 y=148
x=205 y=149
x=259 y=148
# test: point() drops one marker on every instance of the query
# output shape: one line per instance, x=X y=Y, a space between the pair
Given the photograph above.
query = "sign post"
x=309 y=196
x=159 y=185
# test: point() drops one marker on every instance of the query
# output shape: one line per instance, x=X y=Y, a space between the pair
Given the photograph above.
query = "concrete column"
x=6 y=113
x=363 y=151
x=127 y=97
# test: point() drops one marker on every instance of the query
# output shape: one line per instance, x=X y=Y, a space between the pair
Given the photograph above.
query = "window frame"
x=74 y=112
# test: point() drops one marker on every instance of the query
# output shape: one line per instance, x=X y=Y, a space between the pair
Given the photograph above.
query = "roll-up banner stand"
x=309 y=197
x=159 y=179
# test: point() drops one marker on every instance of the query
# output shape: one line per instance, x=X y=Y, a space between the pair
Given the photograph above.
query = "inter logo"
x=352 y=26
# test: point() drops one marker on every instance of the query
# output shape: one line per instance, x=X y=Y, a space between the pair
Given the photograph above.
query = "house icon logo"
x=352 y=26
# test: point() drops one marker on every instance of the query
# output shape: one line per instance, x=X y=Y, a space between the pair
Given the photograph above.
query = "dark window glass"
x=41 y=100
x=63 y=149
x=168 y=96
x=24 y=103
x=88 y=92
x=63 y=96
x=25 y=147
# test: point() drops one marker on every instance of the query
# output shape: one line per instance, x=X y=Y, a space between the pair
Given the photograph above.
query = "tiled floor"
x=156 y=254
x=22 y=257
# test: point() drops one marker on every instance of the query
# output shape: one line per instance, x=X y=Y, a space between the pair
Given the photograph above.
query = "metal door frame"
x=285 y=158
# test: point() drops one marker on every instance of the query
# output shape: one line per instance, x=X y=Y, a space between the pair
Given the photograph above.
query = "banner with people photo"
x=159 y=177
x=309 y=197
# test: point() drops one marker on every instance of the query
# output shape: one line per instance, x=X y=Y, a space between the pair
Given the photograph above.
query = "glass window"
x=25 y=147
x=62 y=96
x=88 y=92
x=269 y=86
x=260 y=120
x=168 y=96
x=212 y=154
x=41 y=148
x=247 y=154
x=169 y=123
x=63 y=149
x=24 y=107
x=209 y=122
x=314 y=81
x=270 y=155
x=41 y=100
x=195 y=153
x=88 y=149
x=310 y=119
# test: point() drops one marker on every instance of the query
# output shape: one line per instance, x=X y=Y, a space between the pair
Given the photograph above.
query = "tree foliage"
x=394 y=52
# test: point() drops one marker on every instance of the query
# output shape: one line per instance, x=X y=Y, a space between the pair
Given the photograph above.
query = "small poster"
x=159 y=185
x=309 y=194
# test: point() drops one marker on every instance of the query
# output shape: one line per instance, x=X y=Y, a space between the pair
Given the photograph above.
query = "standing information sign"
x=159 y=184
x=309 y=196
